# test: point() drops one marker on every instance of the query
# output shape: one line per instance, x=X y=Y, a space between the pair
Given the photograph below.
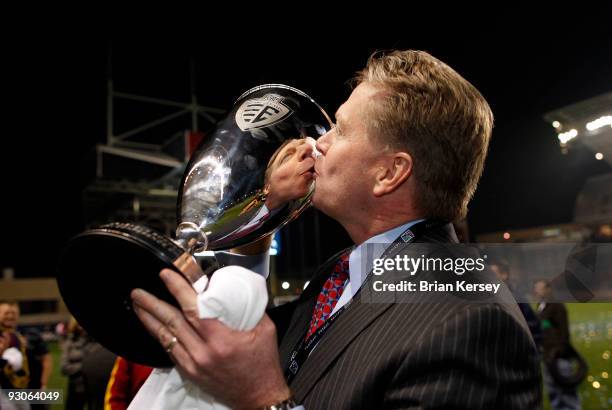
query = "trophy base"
x=97 y=272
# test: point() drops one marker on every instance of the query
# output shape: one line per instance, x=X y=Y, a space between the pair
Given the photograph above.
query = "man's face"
x=344 y=172
x=541 y=290
x=291 y=173
x=8 y=316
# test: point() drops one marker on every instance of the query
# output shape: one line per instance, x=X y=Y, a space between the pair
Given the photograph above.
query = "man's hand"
x=241 y=369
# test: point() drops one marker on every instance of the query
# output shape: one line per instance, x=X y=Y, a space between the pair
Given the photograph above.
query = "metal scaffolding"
x=136 y=179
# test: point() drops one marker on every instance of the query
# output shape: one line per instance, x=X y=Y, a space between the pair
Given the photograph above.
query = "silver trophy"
x=246 y=179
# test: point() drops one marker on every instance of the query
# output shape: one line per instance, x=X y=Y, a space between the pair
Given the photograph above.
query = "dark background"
x=55 y=96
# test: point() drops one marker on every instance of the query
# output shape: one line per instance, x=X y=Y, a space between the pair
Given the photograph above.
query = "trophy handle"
x=197 y=271
x=188 y=266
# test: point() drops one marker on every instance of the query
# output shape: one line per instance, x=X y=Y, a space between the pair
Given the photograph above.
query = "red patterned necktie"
x=331 y=292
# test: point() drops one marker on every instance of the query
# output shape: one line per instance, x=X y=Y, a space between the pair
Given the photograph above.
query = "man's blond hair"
x=437 y=116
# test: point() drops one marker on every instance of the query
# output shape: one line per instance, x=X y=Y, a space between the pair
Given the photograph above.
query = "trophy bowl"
x=249 y=177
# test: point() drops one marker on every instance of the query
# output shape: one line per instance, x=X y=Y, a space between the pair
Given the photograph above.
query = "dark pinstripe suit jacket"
x=440 y=354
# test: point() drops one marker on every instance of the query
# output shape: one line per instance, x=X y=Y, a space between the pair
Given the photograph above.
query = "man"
x=556 y=347
x=408 y=149
x=289 y=175
x=39 y=360
x=14 y=370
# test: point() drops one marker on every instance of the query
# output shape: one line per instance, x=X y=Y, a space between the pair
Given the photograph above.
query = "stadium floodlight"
x=565 y=137
x=599 y=123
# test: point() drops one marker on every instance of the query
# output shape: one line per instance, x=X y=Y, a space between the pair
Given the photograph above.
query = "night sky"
x=56 y=112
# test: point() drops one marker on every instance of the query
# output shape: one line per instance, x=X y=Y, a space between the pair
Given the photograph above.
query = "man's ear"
x=392 y=173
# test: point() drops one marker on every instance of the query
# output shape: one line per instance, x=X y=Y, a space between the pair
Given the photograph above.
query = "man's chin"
x=318 y=201
x=315 y=199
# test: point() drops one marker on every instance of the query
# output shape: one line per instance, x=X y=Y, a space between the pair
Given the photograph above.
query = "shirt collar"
x=360 y=263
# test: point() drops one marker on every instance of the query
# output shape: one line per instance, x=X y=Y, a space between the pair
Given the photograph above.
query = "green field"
x=591 y=328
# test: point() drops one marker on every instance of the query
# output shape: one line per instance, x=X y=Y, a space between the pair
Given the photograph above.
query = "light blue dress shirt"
x=360 y=266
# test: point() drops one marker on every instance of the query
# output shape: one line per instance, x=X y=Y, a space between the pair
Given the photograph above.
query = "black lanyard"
x=304 y=346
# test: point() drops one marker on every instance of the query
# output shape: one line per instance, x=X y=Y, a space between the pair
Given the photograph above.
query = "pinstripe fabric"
x=442 y=354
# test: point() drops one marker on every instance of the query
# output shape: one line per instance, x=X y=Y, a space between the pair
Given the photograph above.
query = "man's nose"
x=304 y=151
x=322 y=144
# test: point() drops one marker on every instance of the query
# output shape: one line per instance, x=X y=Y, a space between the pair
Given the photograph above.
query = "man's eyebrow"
x=291 y=145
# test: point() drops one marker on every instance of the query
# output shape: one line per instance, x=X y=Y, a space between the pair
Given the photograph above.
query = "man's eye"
x=287 y=155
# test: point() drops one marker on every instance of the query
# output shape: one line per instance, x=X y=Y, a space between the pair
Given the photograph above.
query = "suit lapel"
x=348 y=325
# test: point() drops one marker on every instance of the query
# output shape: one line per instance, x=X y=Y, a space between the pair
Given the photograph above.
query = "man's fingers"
x=158 y=317
x=176 y=350
x=187 y=299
